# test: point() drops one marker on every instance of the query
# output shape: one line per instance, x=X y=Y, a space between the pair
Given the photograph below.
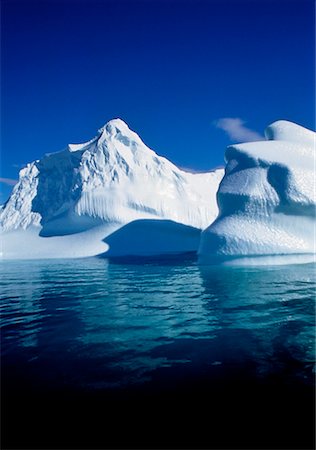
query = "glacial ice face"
x=104 y=184
x=17 y=212
x=266 y=199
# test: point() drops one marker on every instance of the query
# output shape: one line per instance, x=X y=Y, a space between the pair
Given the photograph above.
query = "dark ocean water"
x=157 y=354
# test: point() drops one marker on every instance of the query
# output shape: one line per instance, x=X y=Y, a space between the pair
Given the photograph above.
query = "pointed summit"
x=113 y=129
x=114 y=126
x=118 y=129
x=110 y=180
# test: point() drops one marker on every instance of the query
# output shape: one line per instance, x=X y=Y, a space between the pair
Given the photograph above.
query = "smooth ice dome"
x=68 y=203
x=266 y=199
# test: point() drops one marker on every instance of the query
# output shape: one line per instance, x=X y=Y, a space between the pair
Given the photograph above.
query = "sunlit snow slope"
x=67 y=203
x=266 y=199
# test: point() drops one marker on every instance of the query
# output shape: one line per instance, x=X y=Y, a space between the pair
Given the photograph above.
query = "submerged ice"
x=266 y=199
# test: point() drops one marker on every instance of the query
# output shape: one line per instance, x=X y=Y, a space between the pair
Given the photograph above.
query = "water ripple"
x=110 y=324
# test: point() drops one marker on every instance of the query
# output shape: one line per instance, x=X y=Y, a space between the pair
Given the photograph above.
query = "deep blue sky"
x=168 y=68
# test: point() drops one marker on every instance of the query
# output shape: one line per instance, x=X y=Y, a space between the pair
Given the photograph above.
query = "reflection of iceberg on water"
x=266 y=201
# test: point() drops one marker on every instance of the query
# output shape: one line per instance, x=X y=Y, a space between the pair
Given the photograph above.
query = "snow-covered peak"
x=115 y=126
x=117 y=129
x=113 y=178
x=117 y=139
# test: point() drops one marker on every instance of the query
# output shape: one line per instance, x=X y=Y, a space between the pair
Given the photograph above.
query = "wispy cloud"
x=8 y=181
x=236 y=130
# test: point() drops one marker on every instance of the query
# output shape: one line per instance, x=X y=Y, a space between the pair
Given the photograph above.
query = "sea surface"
x=157 y=354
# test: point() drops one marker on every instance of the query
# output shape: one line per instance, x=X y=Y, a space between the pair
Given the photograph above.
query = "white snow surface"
x=67 y=203
x=266 y=200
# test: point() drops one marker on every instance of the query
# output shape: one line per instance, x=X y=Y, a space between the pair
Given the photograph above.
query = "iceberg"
x=73 y=203
x=266 y=201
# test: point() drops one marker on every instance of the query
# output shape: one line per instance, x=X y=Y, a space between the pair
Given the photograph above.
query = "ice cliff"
x=266 y=199
x=67 y=203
